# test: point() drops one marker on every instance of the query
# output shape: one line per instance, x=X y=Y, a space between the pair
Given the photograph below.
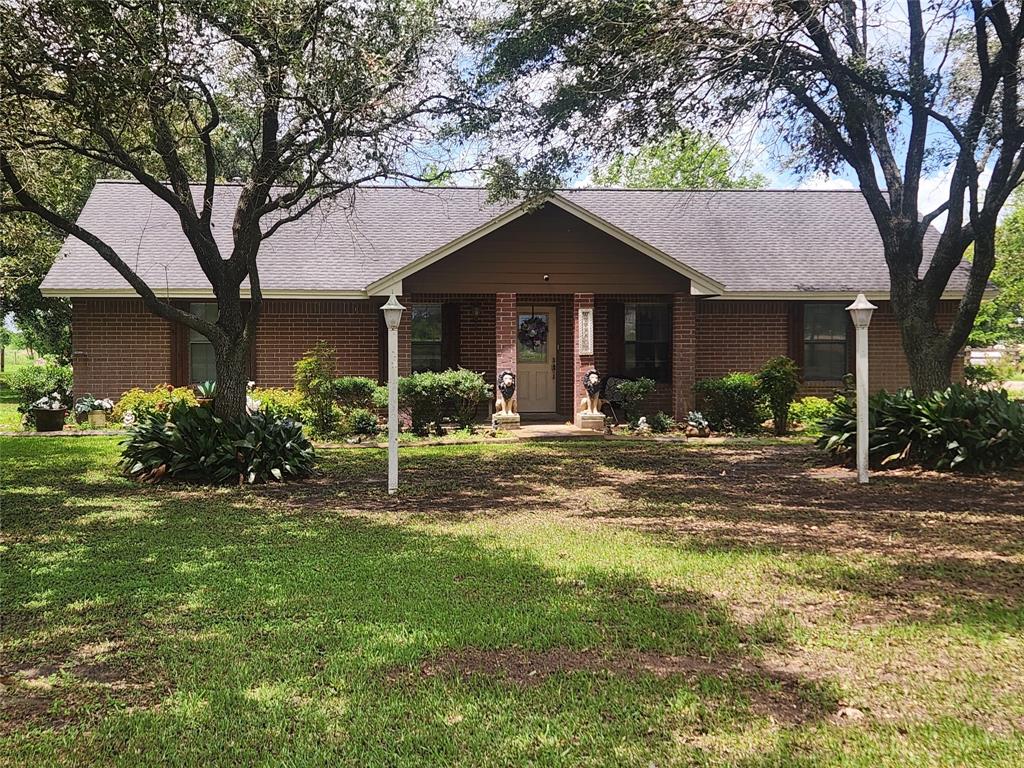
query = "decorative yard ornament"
x=590 y=404
x=506 y=403
x=860 y=312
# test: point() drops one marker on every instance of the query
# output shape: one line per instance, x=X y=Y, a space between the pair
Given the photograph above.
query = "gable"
x=574 y=256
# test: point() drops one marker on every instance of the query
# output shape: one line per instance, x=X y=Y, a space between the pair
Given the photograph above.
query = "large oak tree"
x=302 y=99
x=893 y=91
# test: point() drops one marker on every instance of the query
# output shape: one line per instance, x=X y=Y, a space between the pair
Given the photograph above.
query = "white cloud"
x=823 y=181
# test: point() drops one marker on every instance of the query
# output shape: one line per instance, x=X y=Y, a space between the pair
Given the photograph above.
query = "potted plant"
x=697 y=425
x=94 y=410
x=49 y=413
x=206 y=392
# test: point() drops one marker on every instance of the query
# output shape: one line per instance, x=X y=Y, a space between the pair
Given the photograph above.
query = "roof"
x=735 y=243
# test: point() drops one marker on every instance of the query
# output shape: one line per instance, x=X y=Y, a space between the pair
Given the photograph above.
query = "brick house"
x=675 y=285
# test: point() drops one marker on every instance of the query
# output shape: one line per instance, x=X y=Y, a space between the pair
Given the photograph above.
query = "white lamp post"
x=860 y=311
x=392 y=318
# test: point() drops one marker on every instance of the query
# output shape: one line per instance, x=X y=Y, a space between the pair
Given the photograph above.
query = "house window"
x=201 y=360
x=426 y=338
x=648 y=341
x=825 y=342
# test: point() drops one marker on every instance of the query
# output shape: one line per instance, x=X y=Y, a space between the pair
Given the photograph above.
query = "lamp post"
x=392 y=318
x=860 y=312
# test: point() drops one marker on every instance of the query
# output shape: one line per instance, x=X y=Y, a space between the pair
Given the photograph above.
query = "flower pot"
x=206 y=402
x=48 y=420
x=97 y=419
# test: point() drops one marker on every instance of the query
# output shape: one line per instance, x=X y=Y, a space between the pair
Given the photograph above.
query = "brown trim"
x=796 y=334
x=179 y=348
x=616 y=338
x=451 y=318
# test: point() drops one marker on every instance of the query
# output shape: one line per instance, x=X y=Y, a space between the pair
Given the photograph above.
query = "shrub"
x=632 y=393
x=140 y=403
x=424 y=396
x=87 y=403
x=279 y=403
x=979 y=375
x=955 y=428
x=356 y=391
x=190 y=443
x=314 y=381
x=811 y=412
x=33 y=382
x=732 y=402
x=464 y=392
x=661 y=422
x=361 y=421
x=778 y=381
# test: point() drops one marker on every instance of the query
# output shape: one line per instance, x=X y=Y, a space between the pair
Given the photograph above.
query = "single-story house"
x=676 y=285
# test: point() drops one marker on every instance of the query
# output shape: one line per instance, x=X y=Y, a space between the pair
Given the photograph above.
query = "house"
x=674 y=285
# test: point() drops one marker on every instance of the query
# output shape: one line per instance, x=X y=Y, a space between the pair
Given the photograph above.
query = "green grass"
x=585 y=603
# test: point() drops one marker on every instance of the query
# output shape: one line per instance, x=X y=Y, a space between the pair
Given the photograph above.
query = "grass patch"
x=579 y=603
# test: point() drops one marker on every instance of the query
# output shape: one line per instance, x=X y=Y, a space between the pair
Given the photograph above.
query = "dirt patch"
x=782 y=696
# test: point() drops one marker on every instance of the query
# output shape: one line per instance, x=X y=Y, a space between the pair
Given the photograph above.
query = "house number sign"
x=586 y=326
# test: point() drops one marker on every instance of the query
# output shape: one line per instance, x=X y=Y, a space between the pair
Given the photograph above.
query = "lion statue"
x=590 y=404
x=506 y=402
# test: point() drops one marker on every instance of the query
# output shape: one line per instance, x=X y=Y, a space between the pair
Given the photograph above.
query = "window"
x=201 y=360
x=825 y=343
x=648 y=335
x=426 y=338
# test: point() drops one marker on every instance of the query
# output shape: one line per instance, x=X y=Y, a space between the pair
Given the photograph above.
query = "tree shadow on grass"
x=222 y=634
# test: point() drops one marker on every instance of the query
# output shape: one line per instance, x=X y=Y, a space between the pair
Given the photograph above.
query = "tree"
x=680 y=161
x=303 y=99
x=1000 y=318
x=894 y=97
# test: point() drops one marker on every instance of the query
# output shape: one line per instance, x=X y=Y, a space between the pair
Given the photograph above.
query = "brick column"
x=581 y=363
x=506 y=322
x=684 y=353
x=404 y=338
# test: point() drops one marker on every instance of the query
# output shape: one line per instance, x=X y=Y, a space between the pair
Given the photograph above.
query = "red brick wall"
x=742 y=335
x=291 y=327
x=118 y=344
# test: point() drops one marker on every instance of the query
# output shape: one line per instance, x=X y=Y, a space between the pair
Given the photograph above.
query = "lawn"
x=589 y=603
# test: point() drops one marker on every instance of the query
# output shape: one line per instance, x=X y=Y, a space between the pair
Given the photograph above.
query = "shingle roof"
x=747 y=240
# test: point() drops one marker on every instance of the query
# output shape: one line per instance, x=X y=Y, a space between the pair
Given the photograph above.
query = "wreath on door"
x=533 y=333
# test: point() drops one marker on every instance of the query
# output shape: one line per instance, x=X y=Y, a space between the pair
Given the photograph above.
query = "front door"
x=535 y=364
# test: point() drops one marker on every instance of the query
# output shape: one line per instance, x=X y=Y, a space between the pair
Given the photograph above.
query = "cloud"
x=823 y=181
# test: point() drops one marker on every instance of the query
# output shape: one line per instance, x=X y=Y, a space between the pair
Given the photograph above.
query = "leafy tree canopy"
x=680 y=161
x=1001 y=319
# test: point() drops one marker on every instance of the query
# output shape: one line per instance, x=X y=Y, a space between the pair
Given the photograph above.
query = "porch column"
x=405 y=338
x=684 y=353
x=582 y=361
x=506 y=326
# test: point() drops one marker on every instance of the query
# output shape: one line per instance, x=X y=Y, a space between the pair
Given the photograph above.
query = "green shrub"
x=955 y=428
x=314 y=381
x=661 y=422
x=465 y=391
x=360 y=421
x=33 y=382
x=279 y=403
x=424 y=396
x=140 y=403
x=979 y=375
x=811 y=412
x=190 y=443
x=632 y=394
x=732 y=402
x=778 y=382
x=356 y=392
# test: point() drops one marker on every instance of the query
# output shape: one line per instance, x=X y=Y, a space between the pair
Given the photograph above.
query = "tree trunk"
x=925 y=345
x=232 y=378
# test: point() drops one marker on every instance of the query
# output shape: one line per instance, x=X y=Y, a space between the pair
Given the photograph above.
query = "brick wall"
x=351 y=327
x=118 y=344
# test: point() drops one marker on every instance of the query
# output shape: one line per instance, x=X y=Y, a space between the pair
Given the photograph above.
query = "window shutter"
x=382 y=345
x=451 y=322
x=616 y=338
x=796 y=334
x=179 y=349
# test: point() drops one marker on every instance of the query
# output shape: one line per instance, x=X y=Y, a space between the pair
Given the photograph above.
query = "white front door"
x=535 y=364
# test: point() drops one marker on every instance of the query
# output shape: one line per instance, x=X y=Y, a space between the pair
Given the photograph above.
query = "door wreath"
x=533 y=333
